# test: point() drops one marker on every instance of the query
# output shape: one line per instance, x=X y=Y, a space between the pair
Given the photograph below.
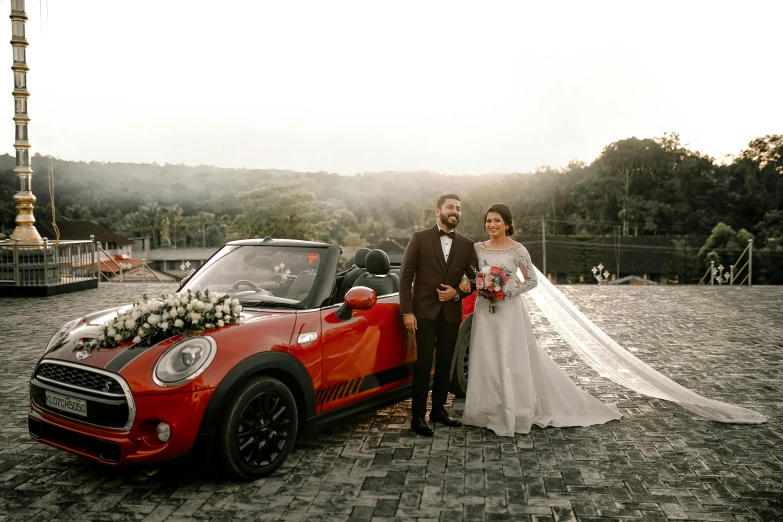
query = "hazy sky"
x=365 y=86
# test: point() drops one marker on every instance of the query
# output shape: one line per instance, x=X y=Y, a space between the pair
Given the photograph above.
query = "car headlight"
x=184 y=361
x=60 y=336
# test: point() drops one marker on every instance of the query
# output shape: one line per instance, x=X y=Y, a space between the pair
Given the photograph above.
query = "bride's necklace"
x=500 y=246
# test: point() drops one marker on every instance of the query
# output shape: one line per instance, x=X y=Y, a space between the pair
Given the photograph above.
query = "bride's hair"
x=505 y=213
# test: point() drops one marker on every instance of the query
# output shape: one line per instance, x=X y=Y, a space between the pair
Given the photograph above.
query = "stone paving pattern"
x=658 y=463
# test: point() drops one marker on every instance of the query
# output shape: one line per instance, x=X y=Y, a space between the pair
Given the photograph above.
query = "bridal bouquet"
x=156 y=319
x=490 y=281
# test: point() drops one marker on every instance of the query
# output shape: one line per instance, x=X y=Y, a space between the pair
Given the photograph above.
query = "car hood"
x=87 y=328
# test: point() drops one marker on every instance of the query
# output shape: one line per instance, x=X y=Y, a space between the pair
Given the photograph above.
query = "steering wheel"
x=245 y=282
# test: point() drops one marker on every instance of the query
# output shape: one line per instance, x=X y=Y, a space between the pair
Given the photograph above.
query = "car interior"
x=371 y=268
x=285 y=276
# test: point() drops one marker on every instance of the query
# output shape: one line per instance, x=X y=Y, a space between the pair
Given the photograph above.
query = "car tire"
x=258 y=429
x=459 y=375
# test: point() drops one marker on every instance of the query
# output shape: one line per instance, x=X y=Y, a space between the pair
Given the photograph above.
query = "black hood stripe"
x=125 y=357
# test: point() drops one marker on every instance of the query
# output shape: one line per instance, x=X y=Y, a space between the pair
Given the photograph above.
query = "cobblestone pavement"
x=658 y=463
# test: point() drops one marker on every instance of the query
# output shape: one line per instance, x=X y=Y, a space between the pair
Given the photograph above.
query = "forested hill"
x=650 y=186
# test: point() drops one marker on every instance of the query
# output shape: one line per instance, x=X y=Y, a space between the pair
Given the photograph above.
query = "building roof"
x=82 y=230
x=392 y=244
x=632 y=279
x=111 y=264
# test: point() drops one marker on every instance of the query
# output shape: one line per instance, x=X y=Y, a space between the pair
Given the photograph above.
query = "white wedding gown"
x=512 y=382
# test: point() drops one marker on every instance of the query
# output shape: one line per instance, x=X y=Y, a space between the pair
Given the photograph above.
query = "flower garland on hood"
x=152 y=320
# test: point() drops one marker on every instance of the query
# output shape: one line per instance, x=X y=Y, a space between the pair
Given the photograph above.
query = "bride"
x=513 y=383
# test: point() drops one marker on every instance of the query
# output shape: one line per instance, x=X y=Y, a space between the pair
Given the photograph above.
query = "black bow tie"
x=444 y=233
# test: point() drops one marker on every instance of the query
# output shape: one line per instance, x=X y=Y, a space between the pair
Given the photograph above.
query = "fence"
x=48 y=263
x=118 y=275
x=718 y=276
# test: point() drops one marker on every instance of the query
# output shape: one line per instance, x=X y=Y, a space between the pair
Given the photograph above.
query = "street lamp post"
x=597 y=273
x=721 y=277
x=123 y=266
x=24 y=198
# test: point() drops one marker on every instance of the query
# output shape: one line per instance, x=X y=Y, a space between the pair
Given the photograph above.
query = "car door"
x=367 y=355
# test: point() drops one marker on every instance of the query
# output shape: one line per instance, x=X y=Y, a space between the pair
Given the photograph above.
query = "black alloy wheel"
x=262 y=432
x=260 y=429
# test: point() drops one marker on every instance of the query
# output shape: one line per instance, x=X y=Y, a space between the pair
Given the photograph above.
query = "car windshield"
x=261 y=275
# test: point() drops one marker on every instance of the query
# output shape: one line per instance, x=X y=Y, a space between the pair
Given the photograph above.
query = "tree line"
x=649 y=186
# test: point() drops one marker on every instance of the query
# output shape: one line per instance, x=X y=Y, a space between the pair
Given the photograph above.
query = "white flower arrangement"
x=152 y=320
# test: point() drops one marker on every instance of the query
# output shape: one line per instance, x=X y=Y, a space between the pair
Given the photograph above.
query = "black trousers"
x=433 y=334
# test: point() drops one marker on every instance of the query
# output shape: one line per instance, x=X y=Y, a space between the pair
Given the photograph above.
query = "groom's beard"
x=449 y=222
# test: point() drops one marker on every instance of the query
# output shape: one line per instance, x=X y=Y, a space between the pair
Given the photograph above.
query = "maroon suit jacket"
x=424 y=269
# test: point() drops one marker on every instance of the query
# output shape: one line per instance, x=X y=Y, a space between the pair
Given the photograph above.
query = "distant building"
x=394 y=248
x=136 y=272
x=176 y=261
x=142 y=243
x=632 y=280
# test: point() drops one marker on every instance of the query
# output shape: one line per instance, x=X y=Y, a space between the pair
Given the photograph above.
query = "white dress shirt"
x=445 y=243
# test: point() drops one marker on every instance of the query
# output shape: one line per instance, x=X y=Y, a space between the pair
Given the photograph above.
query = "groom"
x=433 y=265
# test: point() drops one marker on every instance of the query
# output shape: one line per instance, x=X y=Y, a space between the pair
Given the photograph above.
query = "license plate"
x=61 y=402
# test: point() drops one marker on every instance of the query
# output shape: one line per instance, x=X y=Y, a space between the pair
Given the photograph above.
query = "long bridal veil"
x=614 y=362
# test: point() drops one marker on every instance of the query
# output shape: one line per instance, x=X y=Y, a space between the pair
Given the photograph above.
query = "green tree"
x=225 y=223
x=770 y=230
x=622 y=164
x=165 y=238
x=375 y=230
x=78 y=212
x=286 y=205
x=189 y=226
x=680 y=265
x=582 y=259
x=724 y=245
x=204 y=219
x=353 y=239
x=343 y=222
x=173 y=213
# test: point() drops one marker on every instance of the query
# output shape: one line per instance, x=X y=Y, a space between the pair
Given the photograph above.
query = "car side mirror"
x=357 y=298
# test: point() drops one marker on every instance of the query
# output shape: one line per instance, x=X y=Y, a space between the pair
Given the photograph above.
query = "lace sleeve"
x=522 y=260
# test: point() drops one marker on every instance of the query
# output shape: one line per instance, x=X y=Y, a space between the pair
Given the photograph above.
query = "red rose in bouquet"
x=490 y=281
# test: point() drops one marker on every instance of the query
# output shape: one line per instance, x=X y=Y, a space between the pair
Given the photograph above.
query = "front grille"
x=79 y=377
x=108 y=409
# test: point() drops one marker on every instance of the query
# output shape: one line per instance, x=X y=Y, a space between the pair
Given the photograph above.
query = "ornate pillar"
x=24 y=198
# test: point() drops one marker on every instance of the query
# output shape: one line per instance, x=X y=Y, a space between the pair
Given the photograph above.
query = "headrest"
x=378 y=262
x=301 y=286
x=360 y=257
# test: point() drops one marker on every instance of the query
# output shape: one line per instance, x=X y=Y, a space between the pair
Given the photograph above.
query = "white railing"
x=118 y=276
x=48 y=263
x=717 y=275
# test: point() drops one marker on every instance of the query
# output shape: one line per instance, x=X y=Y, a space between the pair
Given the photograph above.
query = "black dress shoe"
x=444 y=419
x=420 y=426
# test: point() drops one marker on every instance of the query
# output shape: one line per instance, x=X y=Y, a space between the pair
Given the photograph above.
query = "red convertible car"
x=314 y=346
